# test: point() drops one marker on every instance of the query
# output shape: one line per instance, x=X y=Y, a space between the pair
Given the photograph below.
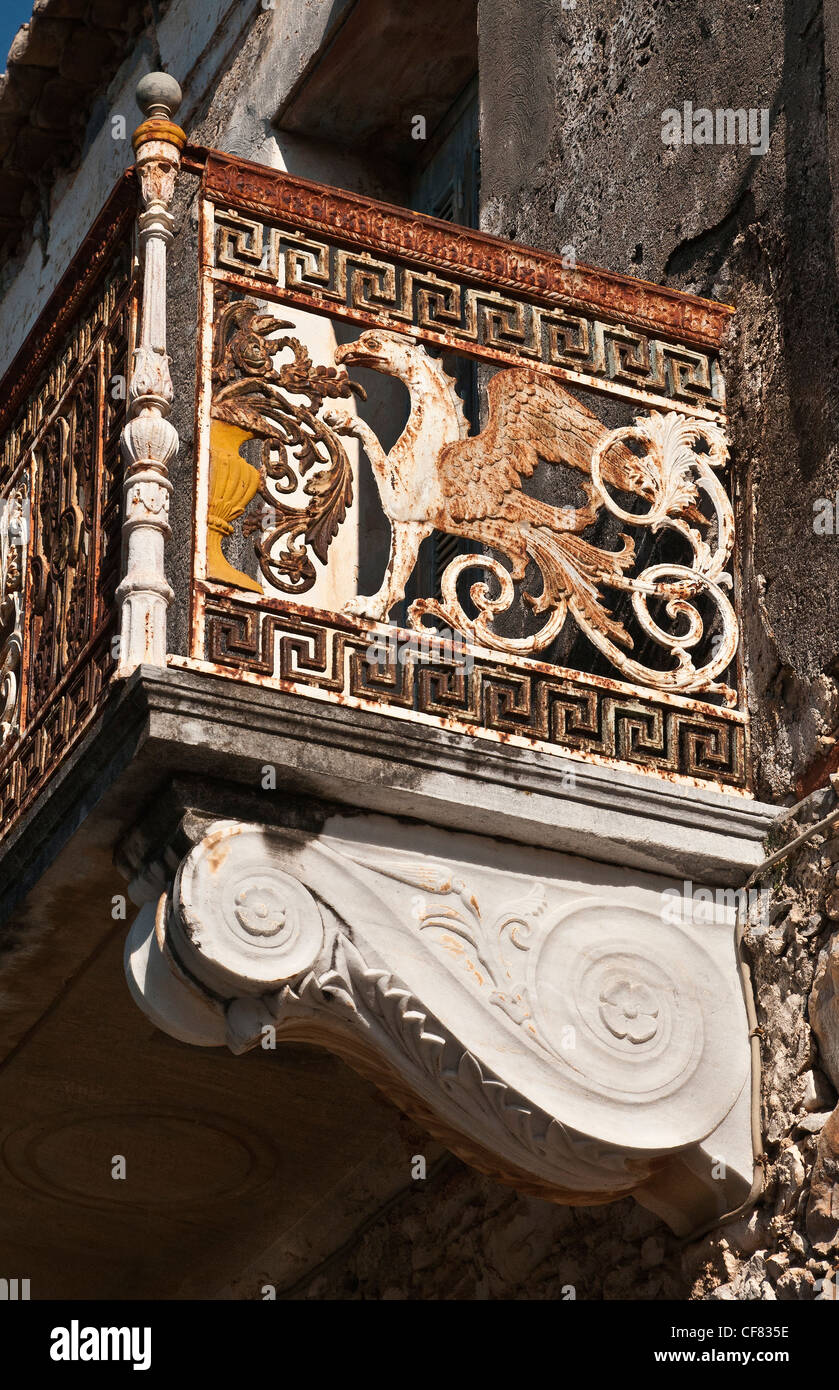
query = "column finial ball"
x=158 y=95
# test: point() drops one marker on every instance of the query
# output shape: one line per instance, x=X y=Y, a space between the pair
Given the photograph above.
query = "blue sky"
x=13 y=13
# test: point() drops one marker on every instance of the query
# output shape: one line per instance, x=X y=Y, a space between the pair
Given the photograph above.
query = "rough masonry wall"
x=788 y=1246
x=571 y=123
x=460 y=1236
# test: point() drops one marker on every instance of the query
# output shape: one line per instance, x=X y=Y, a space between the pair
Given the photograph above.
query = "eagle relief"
x=438 y=476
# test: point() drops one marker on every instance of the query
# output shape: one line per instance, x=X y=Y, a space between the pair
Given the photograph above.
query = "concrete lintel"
x=168 y=721
x=369 y=761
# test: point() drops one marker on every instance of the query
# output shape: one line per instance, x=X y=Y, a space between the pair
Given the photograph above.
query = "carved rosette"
x=570 y=1043
x=149 y=441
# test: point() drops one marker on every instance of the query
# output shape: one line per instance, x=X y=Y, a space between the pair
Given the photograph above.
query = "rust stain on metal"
x=476 y=350
x=695 y=712
x=657 y=718
x=61 y=442
x=473 y=255
x=111 y=227
x=279 y=405
x=437 y=477
x=369 y=630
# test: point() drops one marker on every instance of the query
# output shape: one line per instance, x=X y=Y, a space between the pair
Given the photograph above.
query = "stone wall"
x=571 y=124
x=788 y=1246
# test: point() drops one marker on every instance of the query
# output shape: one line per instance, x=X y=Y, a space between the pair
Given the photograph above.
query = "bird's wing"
x=531 y=417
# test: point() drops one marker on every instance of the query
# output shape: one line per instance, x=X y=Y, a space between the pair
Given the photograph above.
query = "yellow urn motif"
x=233 y=482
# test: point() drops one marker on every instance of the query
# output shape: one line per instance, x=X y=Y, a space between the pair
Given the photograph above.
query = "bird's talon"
x=339 y=421
x=365 y=607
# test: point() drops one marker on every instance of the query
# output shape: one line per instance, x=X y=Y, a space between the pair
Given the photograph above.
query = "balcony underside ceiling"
x=224 y=1156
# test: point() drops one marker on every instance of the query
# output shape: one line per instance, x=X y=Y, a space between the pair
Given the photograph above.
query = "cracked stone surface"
x=572 y=154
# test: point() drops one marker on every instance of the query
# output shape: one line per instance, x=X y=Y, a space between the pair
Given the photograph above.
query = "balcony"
x=451 y=565
x=589 y=607
x=596 y=620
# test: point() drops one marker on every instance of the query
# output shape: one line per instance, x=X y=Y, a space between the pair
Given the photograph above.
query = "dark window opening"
x=389 y=108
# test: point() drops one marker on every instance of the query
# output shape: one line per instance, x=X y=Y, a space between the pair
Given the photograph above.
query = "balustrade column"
x=149 y=440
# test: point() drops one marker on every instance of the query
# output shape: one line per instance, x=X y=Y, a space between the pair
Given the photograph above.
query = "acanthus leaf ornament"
x=253 y=398
x=491 y=951
x=151 y=378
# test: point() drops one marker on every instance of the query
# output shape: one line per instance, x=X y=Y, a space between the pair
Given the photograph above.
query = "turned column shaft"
x=149 y=441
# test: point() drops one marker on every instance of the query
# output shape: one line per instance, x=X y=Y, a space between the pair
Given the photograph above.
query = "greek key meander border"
x=616 y=353
x=473 y=255
x=617 y=719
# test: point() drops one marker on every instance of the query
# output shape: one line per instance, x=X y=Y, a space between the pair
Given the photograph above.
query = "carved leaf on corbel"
x=430 y=1059
x=488 y=949
x=513 y=926
x=434 y=878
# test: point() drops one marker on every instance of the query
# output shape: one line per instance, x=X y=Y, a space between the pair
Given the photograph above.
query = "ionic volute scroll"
x=554 y=1033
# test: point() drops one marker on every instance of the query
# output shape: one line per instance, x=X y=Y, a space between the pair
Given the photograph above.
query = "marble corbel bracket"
x=559 y=1034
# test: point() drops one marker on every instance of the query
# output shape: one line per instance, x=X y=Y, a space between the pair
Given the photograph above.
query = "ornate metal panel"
x=595 y=613
x=64 y=406
x=326 y=655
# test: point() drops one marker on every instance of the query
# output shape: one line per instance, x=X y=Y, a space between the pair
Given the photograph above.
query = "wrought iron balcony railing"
x=590 y=605
x=581 y=593
x=63 y=408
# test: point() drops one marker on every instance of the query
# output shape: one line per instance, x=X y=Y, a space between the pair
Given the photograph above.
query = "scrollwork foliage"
x=279 y=405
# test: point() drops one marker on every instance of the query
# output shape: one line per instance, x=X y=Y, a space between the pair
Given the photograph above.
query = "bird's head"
x=390 y=353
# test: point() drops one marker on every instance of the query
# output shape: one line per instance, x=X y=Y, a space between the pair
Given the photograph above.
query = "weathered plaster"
x=753 y=231
x=268 y=48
